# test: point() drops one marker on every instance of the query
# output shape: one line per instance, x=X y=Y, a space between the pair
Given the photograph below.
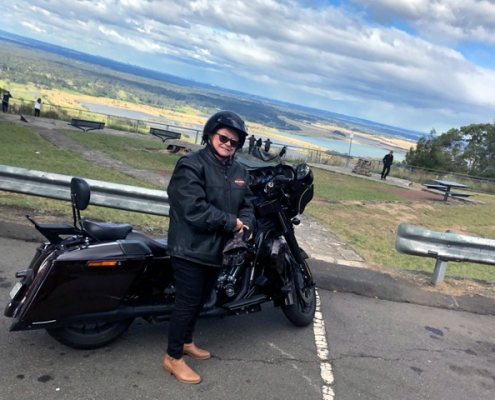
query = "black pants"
x=386 y=170
x=36 y=112
x=5 y=106
x=194 y=283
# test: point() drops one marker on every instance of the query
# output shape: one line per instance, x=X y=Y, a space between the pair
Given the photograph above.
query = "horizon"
x=396 y=64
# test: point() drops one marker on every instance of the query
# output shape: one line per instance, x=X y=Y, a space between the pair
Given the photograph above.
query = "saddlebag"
x=84 y=280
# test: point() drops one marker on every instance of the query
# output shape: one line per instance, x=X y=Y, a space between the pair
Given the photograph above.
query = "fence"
x=294 y=153
x=105 y=194
x=413 y=174
x=476 y=183
x=19 y=106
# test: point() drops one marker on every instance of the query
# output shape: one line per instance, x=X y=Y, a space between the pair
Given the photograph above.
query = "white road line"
x=322 y=351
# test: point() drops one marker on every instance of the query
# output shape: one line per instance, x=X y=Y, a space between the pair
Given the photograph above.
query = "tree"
x=480 y=148
x=427 y=153
x=469 y=149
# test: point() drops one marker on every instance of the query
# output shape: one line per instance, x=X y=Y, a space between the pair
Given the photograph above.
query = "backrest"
x=79 y=193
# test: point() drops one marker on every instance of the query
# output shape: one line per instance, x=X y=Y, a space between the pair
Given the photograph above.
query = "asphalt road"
x=377 y=349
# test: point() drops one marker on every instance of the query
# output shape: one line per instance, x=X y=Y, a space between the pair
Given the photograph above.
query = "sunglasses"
x=224 y=139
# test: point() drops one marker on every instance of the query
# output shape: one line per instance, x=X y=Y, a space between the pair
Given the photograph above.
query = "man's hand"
x=238 y=226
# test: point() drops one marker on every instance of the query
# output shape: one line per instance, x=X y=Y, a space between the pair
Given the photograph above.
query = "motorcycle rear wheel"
x=302 y=312
x=90 y=336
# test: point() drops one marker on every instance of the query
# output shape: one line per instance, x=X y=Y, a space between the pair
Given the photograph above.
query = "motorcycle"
x=90 y=280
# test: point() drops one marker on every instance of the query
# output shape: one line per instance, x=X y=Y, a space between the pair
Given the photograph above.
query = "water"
x=340 y=146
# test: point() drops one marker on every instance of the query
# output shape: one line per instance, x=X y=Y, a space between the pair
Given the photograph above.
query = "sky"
x=414 y=64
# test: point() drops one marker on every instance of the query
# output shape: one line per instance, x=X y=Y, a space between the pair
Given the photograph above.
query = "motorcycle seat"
x=105 y=231
x=157 y=246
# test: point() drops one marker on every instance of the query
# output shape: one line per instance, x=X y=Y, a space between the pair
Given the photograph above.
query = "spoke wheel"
x=90 y=336
x=302 y=312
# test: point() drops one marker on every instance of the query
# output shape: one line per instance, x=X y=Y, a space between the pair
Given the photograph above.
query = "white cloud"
x=342 y=59
x=442 y=20
x=32 y=27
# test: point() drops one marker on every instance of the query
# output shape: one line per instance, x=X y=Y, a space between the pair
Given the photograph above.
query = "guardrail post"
x=439 y=272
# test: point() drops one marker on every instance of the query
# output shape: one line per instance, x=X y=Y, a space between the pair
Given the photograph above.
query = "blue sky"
x=415 y=64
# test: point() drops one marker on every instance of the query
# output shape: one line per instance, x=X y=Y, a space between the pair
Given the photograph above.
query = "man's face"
x=225 y=134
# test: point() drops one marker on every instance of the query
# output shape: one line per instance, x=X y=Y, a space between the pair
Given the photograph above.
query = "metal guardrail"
x=410 y=239
x=105 y=194
x=444 y=247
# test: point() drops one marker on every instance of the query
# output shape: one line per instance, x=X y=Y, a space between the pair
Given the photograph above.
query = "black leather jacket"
x=206 y=197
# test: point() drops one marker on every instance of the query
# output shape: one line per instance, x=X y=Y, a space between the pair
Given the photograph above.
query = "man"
x=268 y=142
x=5 y=101
x=209 y=200
x=252 y=141
x=387 y=163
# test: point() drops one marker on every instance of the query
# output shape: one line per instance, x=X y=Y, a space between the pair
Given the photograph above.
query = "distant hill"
x=204 y=96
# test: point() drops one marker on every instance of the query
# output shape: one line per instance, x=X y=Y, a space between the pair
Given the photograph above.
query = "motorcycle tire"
x=91 y=336
x=302 y=312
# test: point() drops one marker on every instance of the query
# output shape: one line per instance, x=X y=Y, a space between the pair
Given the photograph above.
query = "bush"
x=50 y=114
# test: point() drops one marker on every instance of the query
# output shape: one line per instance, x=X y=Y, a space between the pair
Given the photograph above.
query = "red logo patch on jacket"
x=239 y=181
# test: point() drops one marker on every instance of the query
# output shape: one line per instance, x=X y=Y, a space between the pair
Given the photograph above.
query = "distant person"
x=252 y=141
x=268 y=142
x=282 y=152
x=259 y=143
x=387 y=163
x=5 y=101
x=37 y=108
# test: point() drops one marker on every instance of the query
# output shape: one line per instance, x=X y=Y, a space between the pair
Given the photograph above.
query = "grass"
x=333 y=187
x=24 y=148
x=355 y=209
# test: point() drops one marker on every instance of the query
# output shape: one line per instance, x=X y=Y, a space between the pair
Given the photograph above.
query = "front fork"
x=302 y=265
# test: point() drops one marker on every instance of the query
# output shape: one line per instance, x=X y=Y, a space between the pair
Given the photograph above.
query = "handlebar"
x=281 y=179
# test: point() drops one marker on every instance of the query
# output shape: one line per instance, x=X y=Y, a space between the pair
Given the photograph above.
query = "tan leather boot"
x=195 y=352
x=180 y=369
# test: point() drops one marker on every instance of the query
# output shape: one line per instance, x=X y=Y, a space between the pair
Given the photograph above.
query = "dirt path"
x=99 y=158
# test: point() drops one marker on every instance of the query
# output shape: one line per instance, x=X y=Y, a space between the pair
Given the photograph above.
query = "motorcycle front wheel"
x=90 y=336
x=302 y=312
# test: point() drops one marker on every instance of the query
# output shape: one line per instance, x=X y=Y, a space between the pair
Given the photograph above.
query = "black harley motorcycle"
x=90 y=280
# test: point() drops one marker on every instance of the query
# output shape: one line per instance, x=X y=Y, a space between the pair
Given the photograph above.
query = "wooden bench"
x=437 y=187
x=86 y=125
x=165 y=134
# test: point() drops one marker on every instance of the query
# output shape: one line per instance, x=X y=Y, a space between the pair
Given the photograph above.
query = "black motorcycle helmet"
x=228 y=119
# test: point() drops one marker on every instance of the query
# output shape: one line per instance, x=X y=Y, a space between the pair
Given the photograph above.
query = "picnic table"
x=446 y=187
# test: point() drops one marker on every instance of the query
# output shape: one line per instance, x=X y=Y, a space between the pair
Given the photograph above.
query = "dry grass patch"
x=370 y=228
